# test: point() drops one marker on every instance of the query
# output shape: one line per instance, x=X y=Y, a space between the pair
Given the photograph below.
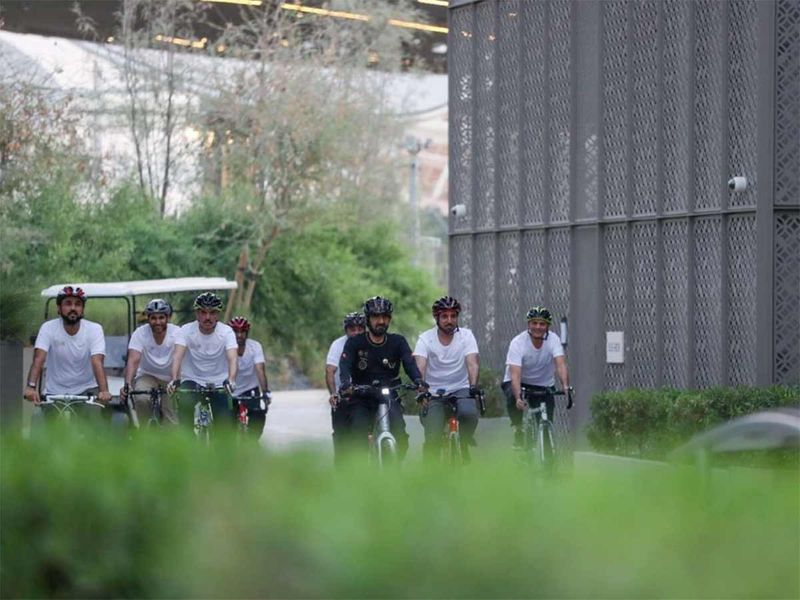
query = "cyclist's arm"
x=346 y=364
x=177 y=361
x=100 y=375
x=31 y=393
x=233 y=363
x=561 y=371
x=261 y=375
x=330 y=379
x=473 y=366
x=515 y=371
x=132 y=365
x=422 y=364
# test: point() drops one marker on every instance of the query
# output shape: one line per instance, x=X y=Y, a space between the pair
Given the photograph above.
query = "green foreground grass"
x=159 y=516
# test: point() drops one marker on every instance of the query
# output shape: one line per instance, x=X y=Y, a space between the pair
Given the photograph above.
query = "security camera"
x=737 y=184
x=458 y=210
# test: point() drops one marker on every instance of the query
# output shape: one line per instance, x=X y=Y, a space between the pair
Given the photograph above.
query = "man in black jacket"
x=376 y=356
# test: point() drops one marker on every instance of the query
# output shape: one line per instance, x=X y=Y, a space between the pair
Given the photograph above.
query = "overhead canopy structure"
x=148 y=287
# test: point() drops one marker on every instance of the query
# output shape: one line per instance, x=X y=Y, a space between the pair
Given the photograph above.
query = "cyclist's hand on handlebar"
x=172 y=386
x=32 y=395
x=104 y=397
x=345 y=392
x=123 y=393
x=229 y=386
x=521 y=404
x=570 y=391
x=333 y=400
x=422 y=387
x=475 y=391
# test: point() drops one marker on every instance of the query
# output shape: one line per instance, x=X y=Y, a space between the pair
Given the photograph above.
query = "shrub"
x=650 y=423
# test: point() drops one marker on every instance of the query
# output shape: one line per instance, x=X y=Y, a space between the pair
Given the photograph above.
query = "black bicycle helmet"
x=445 y=303
x=157 y=306
x=208 y=301
x=539 y=313
x=353 y=319
x=377 y=306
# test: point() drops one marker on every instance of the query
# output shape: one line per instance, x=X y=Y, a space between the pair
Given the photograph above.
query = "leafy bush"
x=650 y=423
x=159 y=516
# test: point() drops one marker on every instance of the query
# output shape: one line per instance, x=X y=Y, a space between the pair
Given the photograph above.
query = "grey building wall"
x=591 y=143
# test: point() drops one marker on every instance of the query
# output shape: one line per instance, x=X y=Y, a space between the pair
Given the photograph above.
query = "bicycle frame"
x=543 y=426
x=243 y=410
x=156 y=414
x=381 y=441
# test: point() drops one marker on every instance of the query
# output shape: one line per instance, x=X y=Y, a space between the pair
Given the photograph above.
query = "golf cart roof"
x=149 y=287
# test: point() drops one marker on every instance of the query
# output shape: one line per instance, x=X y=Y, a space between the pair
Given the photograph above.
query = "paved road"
x=300 y=419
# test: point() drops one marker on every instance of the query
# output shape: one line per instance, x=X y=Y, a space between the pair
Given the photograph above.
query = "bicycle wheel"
x=546 y=446
x=453 y=449
x=387 y=452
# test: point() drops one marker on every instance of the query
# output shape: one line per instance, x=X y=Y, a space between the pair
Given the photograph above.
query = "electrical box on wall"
x=615 y=347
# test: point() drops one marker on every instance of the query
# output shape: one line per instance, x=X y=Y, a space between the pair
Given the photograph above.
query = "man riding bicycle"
x=353 y=325
x=251 y=375
x=150 y=357
x=73 y=350
x=534 y=358
x=447 y=358
x=206 y=356
x=376 y=356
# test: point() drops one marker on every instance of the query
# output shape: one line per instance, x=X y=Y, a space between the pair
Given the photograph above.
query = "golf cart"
x=128 y=291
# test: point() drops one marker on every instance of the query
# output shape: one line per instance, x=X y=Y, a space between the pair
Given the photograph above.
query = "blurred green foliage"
x=650 y=423
x=162 y=517
x=311 y=277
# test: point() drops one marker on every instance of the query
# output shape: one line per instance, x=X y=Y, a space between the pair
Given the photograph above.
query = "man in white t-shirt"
x=251 y=375
x=206 y=356
x=447 y=358
x=73 y=349
x=150 y=355
x=534 y=358
x=353 y=324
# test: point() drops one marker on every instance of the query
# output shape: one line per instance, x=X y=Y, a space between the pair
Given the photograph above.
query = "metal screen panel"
x=461 y=276
x=532 y=270
x=787 y=104
x=615 y=267
x=559 y=255
x=615 y=107
x=674 y=314
x=643 y=327
x=508 y=108
x=676 y=115
x=708 y=301
x=645 y=113
x=742 y=82
x=460 y=108
x=485 y=139
x=508 y=287
x=560 y=120
x=533 y=49
x=708 y=104
x=742 y=265
x=787 y=297
x=483 y=322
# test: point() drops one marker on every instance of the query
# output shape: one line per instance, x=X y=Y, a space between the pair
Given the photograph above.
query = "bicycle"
x=382 y=444
x=249 y=403
x=451 y=450
x=156 y=413
x=537 y=426
x=65 y=404
x=203 y=414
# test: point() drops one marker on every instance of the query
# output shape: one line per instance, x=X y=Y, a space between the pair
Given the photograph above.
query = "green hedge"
x=650 y=423
x=159 y=516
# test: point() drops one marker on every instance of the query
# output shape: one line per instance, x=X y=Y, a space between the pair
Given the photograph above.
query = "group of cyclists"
x=218 y=360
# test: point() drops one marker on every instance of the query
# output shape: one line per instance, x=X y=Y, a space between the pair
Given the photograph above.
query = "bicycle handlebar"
x=529 y=394
x=52 y=399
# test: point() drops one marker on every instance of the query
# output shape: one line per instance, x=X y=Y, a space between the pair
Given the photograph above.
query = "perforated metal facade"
x=592 y=143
